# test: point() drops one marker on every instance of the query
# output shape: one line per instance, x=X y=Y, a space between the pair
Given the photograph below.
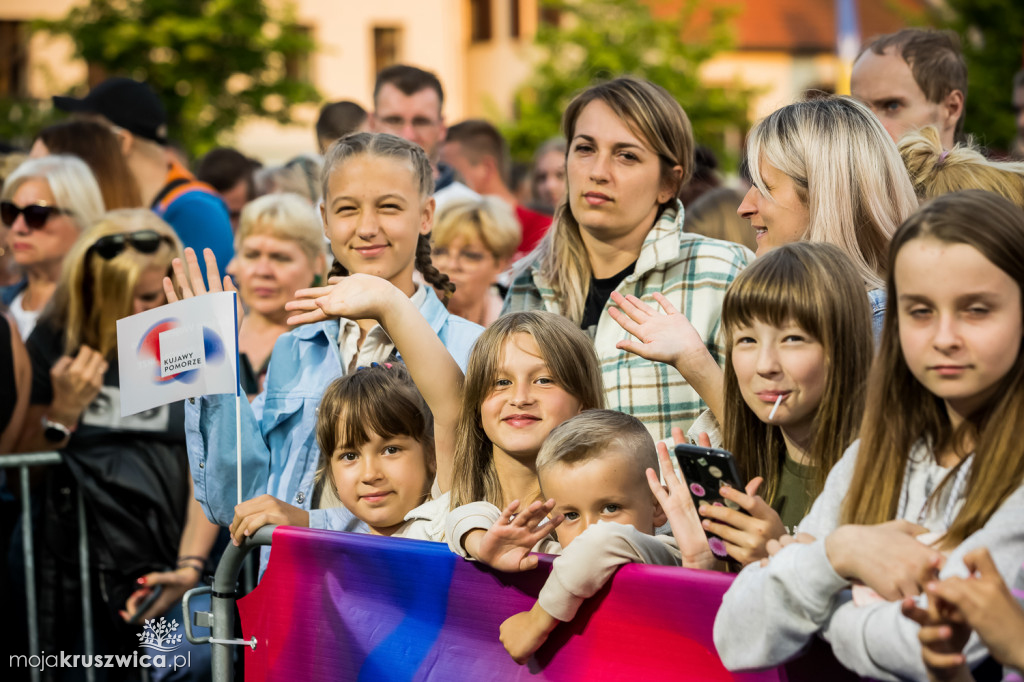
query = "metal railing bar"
x=30 y=568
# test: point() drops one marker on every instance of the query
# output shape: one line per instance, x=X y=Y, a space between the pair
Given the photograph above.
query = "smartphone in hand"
x=706 y=471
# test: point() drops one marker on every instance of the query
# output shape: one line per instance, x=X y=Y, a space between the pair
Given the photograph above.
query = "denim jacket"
x=279 y=450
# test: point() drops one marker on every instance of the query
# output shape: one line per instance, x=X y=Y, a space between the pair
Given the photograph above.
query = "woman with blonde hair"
x=279 y=249
x=825 y=170
x=620 y=230
x=935 y=171
x=474 y=241
x=46 y=204
x=131 y=471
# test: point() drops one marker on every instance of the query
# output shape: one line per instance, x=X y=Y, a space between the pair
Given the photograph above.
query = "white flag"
x=177 y=351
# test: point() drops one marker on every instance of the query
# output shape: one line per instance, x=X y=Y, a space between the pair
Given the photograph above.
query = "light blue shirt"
x=279 y=449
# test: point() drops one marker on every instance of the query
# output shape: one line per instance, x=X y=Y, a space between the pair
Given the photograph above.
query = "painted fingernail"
x=141 y=581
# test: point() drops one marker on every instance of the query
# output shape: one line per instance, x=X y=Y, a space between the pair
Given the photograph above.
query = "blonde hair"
x=901 y=411
x=818 y=288
x=846 y=170
x=288 y=217
x=655 y=117
x=571 y=359
x=488 y=219
x=935 y=172
x=93 y=293
x=589 y=435
x=73 y=185
x=385 y=146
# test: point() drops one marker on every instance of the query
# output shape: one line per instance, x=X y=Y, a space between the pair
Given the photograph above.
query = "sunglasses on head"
x=143 y=241
x=36 y=215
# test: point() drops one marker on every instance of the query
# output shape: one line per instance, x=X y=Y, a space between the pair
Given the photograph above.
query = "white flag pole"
x=238 y=402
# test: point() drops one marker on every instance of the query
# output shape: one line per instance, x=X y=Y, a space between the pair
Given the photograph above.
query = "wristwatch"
x=55 y=432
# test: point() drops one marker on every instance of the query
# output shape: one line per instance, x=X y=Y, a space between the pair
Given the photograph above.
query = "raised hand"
x=674 y=498
x=507 y=544
x=356 y=297
x=668 y=337
x=189 y=278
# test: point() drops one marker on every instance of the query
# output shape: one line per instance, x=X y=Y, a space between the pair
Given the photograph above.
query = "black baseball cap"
x=126 y=103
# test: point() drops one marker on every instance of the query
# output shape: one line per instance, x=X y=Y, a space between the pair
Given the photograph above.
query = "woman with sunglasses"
x=146 y=531
x=45 y=204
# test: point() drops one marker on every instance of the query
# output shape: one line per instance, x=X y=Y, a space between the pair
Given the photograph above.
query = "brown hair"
x=409 y=80
x=383 y=145
x=570 y=357
x=99 y=147
x=816 y=286
x=901 y=411
x=935 y=171
x=479 y=138
x=935 y=60
x=381 y=400
x=590 y=433
x=655 y=117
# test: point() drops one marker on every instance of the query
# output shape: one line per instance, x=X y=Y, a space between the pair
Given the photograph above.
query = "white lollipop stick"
x=771 y=415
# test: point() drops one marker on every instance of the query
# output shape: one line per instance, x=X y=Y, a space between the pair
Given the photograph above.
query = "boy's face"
x=608 y=487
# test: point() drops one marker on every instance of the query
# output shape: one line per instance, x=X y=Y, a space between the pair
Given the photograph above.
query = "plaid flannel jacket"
x=693 y=273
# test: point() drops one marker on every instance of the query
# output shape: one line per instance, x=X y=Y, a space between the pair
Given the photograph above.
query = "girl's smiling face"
x=772 y=362
x=381 y=480
x=526 y=401
x=960 y=321
x=374 y=215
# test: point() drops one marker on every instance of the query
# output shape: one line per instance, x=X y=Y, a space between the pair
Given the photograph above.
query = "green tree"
x=992 y=35
x=212 y=62
x=600 y=39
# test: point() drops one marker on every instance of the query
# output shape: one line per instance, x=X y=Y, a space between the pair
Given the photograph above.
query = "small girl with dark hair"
x=377 y=212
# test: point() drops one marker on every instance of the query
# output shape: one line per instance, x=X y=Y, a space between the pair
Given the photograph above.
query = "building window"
x=548 y=15
x=513 y=18
x=387 y=47
x=297 y=67
x=479 y=20
x=13 y=59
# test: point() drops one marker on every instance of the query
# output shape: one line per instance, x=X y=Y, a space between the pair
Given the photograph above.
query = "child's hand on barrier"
x=668 y=338
x=525 y=632
x=746 y=536
x=507 y=544
x=982 y=602
x=253 y=514
x=674 y=498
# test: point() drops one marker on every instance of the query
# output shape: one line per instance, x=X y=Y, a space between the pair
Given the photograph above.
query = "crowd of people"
x=434 y=350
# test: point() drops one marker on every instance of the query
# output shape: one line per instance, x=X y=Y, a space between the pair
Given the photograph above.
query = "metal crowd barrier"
x=221 y=617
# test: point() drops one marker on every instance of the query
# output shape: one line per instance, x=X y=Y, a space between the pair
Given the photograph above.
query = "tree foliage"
x=598 y=40
x=212 y=62
x=992 y=35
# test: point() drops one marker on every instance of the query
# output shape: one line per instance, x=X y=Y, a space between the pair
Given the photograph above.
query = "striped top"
x=693 y=273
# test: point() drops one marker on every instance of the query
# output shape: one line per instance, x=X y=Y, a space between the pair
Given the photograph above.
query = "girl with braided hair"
x=377 y=213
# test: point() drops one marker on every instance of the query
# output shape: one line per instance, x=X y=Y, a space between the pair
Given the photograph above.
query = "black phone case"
x=706 y=470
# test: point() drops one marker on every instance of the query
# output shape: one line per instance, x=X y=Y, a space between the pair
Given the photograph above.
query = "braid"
x=337 y=270
x=432 y=275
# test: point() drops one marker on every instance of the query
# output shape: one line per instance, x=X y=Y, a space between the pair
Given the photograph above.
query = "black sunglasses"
x=143 y=241
x=36 y=215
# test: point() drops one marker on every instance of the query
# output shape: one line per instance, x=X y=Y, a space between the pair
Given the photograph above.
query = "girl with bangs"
x=798 y=339
x=939 y=453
